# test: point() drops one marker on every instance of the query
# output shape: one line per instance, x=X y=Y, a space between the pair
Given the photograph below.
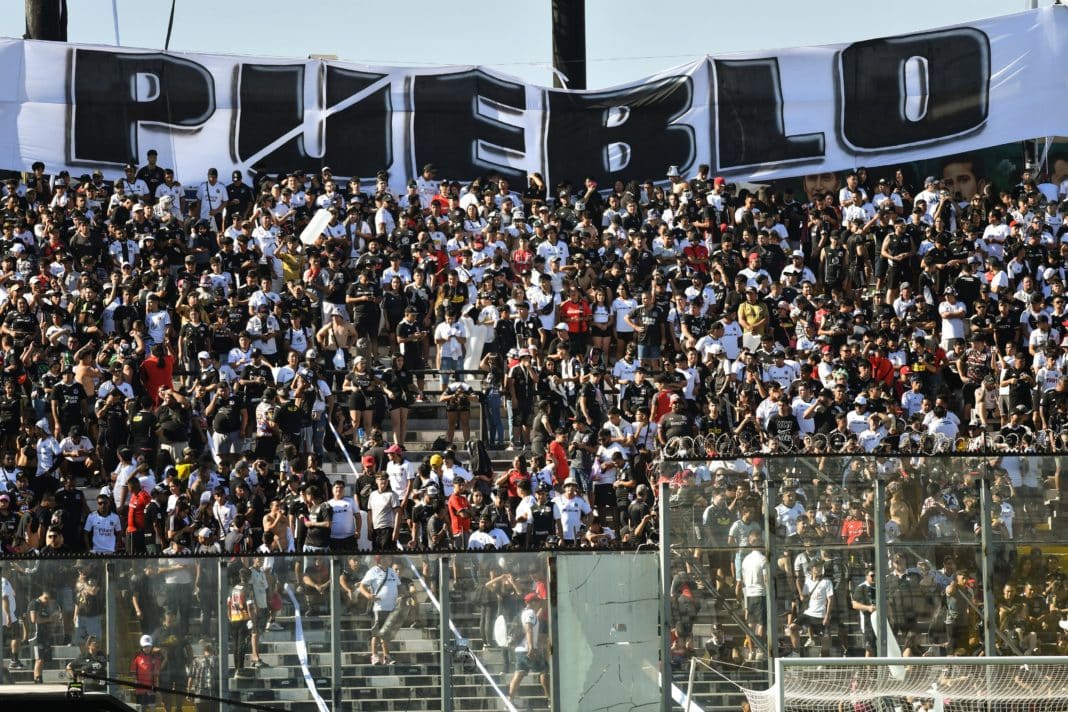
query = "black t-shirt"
x=174 y=423
x=783 y=428
x=261 y=376
x=22 y=323
x=369 y=289
x=675 y=425
x=114 y=426
x=636 y=397
x=143 y=429
x=228 y=414
x=289 y=418
x=10 y=408
x=195 y=338
x=69 y=398
x=652 y=319
x=319 y=536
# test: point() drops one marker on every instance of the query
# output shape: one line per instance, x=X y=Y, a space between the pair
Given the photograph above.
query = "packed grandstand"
x=185 y=363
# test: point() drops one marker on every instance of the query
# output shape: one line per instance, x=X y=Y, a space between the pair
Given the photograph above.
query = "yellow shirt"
x=751 y=313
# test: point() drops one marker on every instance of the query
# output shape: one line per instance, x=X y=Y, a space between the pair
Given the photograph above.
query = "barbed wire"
x=909 y=443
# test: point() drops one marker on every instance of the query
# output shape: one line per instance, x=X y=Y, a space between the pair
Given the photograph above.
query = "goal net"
x=1007 y=684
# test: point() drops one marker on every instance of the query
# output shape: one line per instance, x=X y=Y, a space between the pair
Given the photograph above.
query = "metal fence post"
x=665 y=598
x=110 y=628
x=223 y=633
x=880 y=565
x=335 y=632
x=990 y=619
x=554 y=633
x=445 y=641
x=771 y=629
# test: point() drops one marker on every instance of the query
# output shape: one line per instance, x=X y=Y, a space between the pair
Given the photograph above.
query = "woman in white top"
x=474 y=224
x=622 y=305
x=601 y=328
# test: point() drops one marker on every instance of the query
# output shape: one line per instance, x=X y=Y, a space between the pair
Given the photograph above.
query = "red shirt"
x=460 y=522
x=576 y=315
x=661 y=405
x=522 y=261
x=157 y=372
x=697 y=252
x=135 y=514
x=514 y=478
x=560 y=469
x=853 y=529
x=146 y=670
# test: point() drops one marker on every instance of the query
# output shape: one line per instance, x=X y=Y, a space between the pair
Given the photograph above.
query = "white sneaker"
x=273 y=626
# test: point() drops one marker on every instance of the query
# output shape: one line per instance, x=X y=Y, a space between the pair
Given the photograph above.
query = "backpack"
x=440 y=444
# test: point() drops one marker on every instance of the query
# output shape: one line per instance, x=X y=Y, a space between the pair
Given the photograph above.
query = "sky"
x=626 y=39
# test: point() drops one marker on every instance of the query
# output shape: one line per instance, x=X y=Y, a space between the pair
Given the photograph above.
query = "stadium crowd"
x=180 y=360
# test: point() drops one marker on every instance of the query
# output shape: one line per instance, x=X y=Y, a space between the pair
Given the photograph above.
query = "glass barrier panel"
x=934 y=599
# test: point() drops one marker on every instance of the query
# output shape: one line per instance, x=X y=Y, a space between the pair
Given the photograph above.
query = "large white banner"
x=759 y=115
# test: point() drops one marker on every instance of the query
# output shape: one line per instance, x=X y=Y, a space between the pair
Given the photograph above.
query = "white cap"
x=146 y=641
x=562 y=325
x=204 y=356
x=136 y=207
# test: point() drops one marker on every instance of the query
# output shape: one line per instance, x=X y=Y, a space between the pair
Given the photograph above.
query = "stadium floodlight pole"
x=665 y=597
x=46 y=20
x=569 y=43
x=879 y=540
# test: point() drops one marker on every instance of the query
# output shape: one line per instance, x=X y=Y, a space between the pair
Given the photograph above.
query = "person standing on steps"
x=531 y=649
x=381 y=586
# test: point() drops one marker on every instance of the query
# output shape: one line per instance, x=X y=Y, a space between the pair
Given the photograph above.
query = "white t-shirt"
x=105 y=530
x=400 y=474
x=819 y=595
x=8 y=592
x=493 y=539
x=529 y=617
x=754 y=574
x=449 y=333
x=571 y=513
x=449 y=475
x=210 y=197
x=381 y=505
x=343 y=523
x=621 y=308
x=384 y=585
x=952 y=327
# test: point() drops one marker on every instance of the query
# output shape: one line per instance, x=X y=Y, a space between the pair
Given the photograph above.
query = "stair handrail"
x=456 y=633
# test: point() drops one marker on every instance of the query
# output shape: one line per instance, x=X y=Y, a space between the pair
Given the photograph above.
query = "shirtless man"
x=275 y=520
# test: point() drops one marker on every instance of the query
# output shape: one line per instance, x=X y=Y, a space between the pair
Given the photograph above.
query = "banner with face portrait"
x=755 y=116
